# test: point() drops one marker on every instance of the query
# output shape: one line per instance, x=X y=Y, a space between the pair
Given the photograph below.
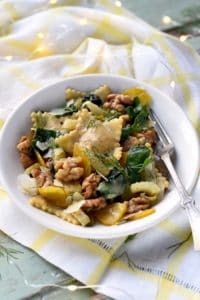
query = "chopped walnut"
x=90 y=184
x=149 y=135
x=69 y=169
x=24 y=146
x=26 y=160
x=138 y=203
x=94 y=204
x=140 y=138
x=117 y=102
x=43 y=177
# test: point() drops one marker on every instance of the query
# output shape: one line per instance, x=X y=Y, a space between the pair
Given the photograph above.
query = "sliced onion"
x=27 y=184
x=57 y=182
x=49 y=153
x=74 y=207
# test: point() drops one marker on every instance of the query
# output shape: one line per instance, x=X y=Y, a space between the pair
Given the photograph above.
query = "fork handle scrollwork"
x=187 y=202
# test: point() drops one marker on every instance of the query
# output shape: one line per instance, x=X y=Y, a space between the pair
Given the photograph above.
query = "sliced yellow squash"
x=40 y=158
x=55 y=194
x=145 y=98
x=79 y=151
x=112 y=213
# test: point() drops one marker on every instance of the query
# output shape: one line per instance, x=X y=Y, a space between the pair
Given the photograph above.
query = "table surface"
x=28 y=264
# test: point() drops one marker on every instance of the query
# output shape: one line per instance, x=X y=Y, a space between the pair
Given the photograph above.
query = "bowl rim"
x=149 y=220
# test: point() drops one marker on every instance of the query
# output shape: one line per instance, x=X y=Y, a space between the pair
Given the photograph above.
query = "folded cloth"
x=43 y=42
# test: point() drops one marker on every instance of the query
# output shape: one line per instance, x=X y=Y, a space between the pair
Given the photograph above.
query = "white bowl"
x=172 y=117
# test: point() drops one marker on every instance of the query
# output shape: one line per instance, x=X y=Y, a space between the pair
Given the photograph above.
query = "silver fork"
x=165 y=150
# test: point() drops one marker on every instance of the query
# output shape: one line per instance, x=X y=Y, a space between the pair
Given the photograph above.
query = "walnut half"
x=117 y=102
x=140 y=138
x=24 y=147
x=69 y=169
x=43 y=178
x=138 y=203
x=94 y=204
x=90 y=184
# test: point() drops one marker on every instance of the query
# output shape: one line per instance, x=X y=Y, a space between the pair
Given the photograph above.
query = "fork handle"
x=194 y=219
x=186 y=202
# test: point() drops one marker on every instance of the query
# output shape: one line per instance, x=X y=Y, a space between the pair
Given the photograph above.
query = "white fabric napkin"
x=42 y=42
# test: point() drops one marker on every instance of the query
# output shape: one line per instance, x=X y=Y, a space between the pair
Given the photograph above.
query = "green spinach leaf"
x=114 y=186
x=69 y=109
x=138 y=158
x=138 y=124
x=44 y=139
x=93 y=98
x=134 y=109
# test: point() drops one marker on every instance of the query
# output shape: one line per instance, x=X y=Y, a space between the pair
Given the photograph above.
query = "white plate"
x=173 y=118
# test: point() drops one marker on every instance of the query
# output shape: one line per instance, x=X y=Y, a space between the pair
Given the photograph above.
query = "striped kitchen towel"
x=42 y=42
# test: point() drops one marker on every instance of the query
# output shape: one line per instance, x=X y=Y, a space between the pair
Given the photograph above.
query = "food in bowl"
x=93 y=160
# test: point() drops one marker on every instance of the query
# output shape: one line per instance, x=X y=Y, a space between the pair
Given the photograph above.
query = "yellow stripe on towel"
x=24 y=78
x=1 y=123
x=9 y=7
x=3 y=193
x=43 y=239
x=47 y=235
x=96 y=275
x=115 y=8
x=175 y=262
x=173 y=229
x=105 y=27
x=21 y=45
x=179 y=76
